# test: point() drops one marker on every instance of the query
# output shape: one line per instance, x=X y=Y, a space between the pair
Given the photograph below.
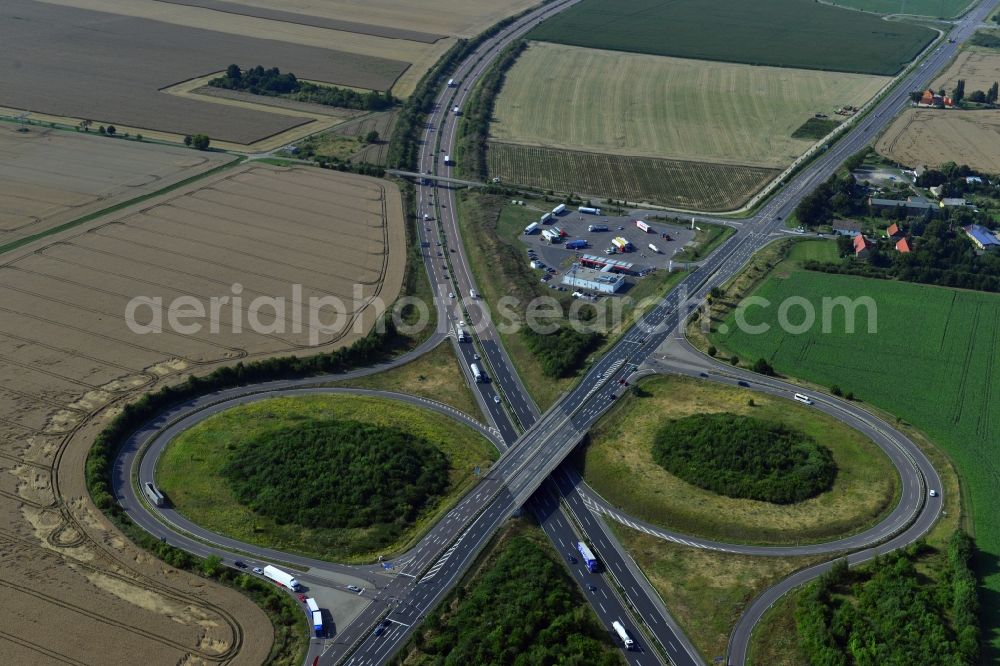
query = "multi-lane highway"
x=424 y=575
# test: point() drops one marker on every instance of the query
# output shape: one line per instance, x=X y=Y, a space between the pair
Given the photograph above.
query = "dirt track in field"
x=49 y=177
x=67 y=359
x=110 y=68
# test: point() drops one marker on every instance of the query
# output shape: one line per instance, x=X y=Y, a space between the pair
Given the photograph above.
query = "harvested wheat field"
x=111 y=69
x=576 y=98
x=50 y=177
x=930 y=137
x=980 y=69
x=377 y=29
x=67 y=354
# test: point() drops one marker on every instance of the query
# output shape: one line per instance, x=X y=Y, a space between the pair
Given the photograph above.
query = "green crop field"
x=783 y=33
x=700 y=186
x=629 y=104
x=932 y=8
x=933 y=362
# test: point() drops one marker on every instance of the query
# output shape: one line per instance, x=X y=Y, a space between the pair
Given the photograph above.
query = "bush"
x=745 y=457
x=763 y=367
x=364 y=474
x=835 y=390
x=712 y=351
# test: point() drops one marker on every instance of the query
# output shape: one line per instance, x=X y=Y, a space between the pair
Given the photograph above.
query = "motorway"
x=423 y=576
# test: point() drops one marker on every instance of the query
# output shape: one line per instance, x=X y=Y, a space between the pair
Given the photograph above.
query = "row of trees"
x=523 y=609
x=478 y=111
x=978 y=96
x=364 y=474
x=885 y=615
x=274 y=82
x=746 y=457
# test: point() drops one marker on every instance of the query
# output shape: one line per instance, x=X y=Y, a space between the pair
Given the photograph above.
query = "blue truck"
x=588 y=557
x=577 y=244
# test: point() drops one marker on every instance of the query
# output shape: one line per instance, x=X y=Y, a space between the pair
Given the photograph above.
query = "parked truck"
x=589 y=211
x=655 y=249
x=550 y=235
x=645 y=228
x=531 y=228
x=317 y=618
x=281 y=578
x=559 y=210
x=577 y=244
x=621 y=244
x=622 y=634
x=597 y=227
x=548 y=217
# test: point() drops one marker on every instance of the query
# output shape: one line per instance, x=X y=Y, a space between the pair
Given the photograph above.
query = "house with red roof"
x=904 y=246
x=895 y=231
x=862 y=246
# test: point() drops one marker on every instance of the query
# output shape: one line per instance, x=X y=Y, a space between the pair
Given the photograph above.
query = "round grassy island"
x=719 y=485
x=338 y=477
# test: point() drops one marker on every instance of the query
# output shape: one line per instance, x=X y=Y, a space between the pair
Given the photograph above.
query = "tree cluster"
x=522 y=610
x=839 y=195
x=274 y=82
x=337 y=474
x=745 y=457
x=561 y=353
x=893 y=619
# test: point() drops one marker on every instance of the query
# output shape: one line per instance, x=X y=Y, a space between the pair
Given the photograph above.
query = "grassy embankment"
x=516 y=605
x=930 y=364
x=190 y=471
x=618 y=463
x=490 y=229
x=435 y=375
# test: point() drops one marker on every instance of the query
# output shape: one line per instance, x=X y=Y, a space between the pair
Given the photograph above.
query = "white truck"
x=477 y=373
x=622 y=634
x=451 y=83
x=531 y=228
x=655 y=249
x=548 y=217
x=597 y=227
x=447 y=160
x=589 y=211
x=558 y=210
x=457 y=111
x=281 y=578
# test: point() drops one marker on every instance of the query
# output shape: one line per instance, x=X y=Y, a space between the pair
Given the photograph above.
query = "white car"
x=496 y=399
x=451 y=294
x=933 y=493
x=353 y=588
x=258 y=570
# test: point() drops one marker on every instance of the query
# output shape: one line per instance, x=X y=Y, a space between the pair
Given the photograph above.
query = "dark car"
x=743 y=383
x=570 y=558
x=240 y=564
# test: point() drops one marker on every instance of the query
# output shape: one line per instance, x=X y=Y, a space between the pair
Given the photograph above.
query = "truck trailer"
x=588 y=556
x=589 y=211
x=154 y=495
x=597 y=227
x=655 y=249
x=622 y=634
x=281 y=578
x=531 y=228
x=643 y=226
x=548 y=217
x=577 y=244
x=477 y=373
x=550 y=235
x=461 y=334
x=317 y=618
x=559 y=210
x=621 y=244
